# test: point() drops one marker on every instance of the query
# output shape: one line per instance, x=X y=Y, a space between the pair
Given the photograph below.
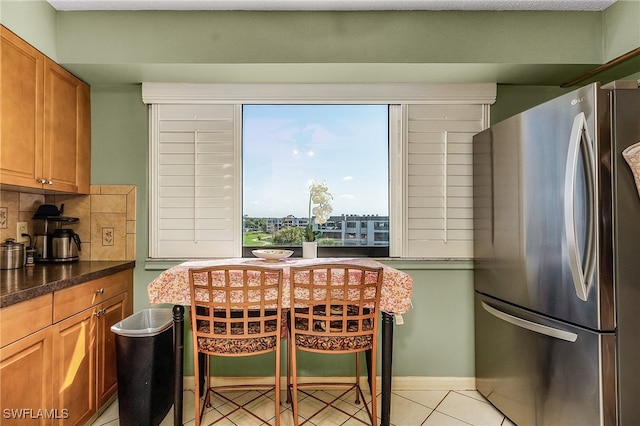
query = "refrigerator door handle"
x=580 y=142
x=530 y=325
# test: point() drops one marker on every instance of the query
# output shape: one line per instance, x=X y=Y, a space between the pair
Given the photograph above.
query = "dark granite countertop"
x=18 y=285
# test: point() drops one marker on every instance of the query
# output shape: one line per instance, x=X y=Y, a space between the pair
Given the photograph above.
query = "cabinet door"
x=61 y=132
x=111 y=312
x=74 y=345
x=25 y=381
x=21 y=85
x=83 y=160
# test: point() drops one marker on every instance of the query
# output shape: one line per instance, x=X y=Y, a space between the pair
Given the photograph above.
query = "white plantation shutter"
x=195 y=182
x=440 y=179
x=196 y=173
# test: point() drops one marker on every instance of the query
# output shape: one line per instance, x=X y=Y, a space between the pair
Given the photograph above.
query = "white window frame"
x=398 y=95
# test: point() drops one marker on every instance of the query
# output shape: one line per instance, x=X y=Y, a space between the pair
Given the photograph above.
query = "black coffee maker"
x=57 y=244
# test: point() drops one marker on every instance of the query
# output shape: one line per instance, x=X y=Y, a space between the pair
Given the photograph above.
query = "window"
x=285 y=147
x=196 y=192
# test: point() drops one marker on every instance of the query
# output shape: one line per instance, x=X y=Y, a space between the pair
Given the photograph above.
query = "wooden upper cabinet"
x=21 y=111
x=83 y=153
x=64 y=159
x=45 y=119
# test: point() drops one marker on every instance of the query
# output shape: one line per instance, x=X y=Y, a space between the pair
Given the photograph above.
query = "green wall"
x=34 y=21
x=119 y=155
x=621 y=25
x=329 y=37
x=511 y=100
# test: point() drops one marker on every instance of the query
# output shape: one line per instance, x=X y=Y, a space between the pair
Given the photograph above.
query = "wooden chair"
x=336 y=312
x=235 y=312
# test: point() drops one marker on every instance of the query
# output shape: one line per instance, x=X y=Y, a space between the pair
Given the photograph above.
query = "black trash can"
x=144 y=357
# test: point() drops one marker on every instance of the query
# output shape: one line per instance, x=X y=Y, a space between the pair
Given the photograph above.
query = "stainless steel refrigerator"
x=557 y=261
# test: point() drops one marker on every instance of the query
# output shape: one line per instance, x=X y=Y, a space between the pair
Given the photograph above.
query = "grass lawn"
x=256 y=239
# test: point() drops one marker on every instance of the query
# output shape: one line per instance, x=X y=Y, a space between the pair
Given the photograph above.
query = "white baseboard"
x=432 y=383
x=410 y=383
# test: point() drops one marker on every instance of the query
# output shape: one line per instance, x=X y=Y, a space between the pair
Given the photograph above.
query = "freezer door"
x=541 y=205
x=543 y=372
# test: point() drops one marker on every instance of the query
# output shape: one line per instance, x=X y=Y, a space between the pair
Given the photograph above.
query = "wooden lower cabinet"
x=113 y=311
x=75 y=360
x=25 y=387
x=85 y=374
x=58 y=363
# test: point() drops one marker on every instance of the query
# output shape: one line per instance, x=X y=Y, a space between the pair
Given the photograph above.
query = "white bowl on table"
x=272 y=255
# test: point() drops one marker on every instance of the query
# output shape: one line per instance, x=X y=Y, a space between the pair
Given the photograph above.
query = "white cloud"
x=346 y=178
x=320 y=133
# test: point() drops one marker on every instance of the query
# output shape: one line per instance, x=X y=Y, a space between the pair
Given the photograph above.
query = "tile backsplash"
x=107 y=225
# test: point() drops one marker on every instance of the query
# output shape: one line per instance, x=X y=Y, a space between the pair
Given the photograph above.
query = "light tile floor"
x=408 y=408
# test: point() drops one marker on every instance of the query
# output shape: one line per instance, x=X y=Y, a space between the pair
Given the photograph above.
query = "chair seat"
x=333 y=343
x=237 y=345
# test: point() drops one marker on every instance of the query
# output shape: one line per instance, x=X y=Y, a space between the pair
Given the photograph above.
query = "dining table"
x=172 y=287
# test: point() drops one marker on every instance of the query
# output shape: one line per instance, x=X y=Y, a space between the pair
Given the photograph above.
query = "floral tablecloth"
x=172 y=285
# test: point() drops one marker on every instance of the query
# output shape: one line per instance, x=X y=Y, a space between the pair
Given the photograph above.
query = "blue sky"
x=286 y=146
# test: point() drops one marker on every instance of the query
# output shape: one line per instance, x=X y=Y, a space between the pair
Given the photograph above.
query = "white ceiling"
x=593 y=5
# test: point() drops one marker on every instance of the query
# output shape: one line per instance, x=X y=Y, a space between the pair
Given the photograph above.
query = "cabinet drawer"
x=71 y=300
x=24 y=318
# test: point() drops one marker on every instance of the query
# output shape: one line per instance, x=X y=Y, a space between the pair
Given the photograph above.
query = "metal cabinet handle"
x=100 y=290
x=49 y=182
x=100 y=312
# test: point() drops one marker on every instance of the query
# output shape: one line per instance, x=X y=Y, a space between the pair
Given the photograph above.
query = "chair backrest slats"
x=335 y=301
x=239 y=302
